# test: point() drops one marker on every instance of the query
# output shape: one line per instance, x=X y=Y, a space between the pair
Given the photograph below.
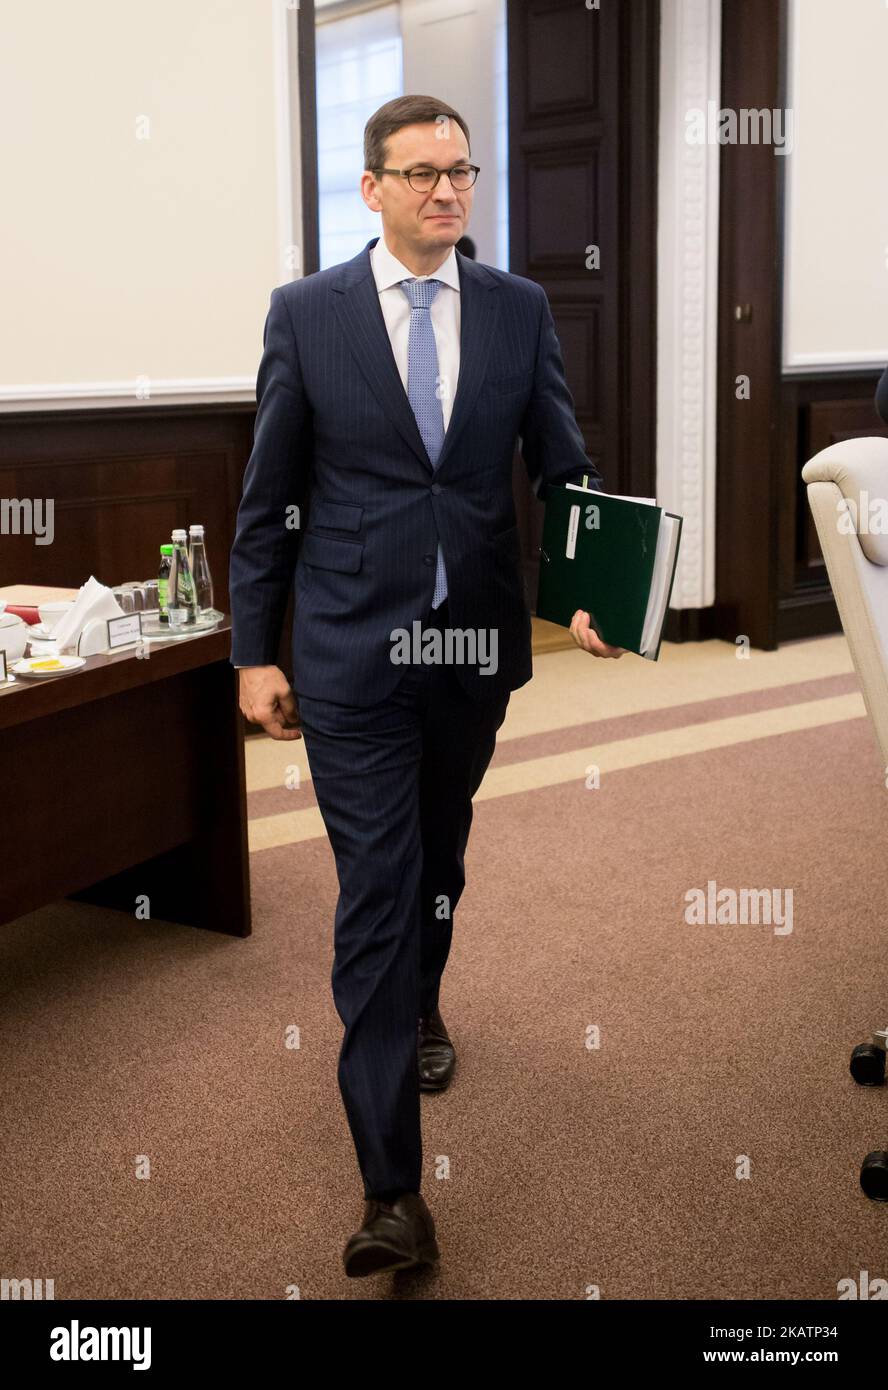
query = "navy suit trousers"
x=394 y=782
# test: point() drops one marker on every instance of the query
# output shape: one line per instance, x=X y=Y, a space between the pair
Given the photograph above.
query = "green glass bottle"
x=163 y=579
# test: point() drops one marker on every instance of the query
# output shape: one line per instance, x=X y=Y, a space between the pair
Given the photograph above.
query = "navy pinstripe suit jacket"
x=336 y=438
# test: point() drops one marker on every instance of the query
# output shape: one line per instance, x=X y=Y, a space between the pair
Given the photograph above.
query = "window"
x=359 y=68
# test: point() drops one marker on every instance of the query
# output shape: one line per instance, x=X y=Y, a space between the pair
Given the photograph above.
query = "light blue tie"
x=422 y=383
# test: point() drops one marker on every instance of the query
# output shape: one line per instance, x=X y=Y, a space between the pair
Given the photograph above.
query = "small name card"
x=124 y=631
x=4 y=674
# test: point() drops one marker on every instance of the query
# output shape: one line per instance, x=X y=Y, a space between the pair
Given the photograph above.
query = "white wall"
x=836 y=288
x=123 y=258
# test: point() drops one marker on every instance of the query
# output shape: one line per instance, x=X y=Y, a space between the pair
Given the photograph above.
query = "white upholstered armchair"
x=848 y=496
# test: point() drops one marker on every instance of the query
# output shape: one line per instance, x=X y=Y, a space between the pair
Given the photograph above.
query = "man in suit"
x=391 y=392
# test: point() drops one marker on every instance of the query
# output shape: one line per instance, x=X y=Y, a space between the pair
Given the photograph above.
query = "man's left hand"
x=585 y=636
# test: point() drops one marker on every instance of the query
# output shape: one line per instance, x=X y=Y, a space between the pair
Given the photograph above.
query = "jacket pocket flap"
x=325 y=553
x=338 y=516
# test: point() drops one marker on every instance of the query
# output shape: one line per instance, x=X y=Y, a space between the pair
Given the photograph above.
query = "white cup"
x=51 y=613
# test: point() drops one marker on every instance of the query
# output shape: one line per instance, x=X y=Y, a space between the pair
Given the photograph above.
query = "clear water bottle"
x=200 y=569
x=181 y=603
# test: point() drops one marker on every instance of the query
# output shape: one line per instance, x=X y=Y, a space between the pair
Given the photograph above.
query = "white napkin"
x=94 y=600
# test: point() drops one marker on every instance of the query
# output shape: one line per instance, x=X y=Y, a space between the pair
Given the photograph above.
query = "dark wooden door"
x=582 y=176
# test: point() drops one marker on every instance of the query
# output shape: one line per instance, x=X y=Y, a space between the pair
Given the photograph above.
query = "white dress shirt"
x=445 y=312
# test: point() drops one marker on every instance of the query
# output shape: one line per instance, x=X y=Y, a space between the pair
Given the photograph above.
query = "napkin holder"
x=94 y=638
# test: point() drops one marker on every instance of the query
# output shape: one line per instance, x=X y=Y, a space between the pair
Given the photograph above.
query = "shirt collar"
x=388 y=270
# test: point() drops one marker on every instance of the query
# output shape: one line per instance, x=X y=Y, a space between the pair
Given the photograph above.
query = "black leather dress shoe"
x=437 y=1058
x=395 y=1235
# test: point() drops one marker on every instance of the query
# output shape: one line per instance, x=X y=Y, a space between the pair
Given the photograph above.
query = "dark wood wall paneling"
x=753 y=52
x=308 y=136
x=818 y=409
x=582 y=171
x=121 y=478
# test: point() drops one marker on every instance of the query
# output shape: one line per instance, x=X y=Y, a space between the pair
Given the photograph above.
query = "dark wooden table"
x=124 y=785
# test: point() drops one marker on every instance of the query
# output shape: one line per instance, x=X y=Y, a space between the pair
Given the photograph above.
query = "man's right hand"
x=266 y=698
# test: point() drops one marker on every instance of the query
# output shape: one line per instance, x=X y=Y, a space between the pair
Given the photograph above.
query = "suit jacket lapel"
x=356 y=300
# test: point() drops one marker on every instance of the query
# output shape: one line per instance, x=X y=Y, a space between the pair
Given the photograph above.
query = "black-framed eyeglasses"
x=423 y=178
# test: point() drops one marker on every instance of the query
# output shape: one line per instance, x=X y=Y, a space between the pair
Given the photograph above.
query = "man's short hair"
x=411 y=110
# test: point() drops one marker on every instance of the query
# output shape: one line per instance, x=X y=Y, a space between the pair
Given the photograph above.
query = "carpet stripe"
x=268 y=832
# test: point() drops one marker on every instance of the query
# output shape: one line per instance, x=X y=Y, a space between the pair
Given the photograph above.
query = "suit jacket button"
x=436 y=488
x=428 y=559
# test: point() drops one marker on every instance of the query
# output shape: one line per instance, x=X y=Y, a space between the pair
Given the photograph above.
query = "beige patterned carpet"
x=656 y=1108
